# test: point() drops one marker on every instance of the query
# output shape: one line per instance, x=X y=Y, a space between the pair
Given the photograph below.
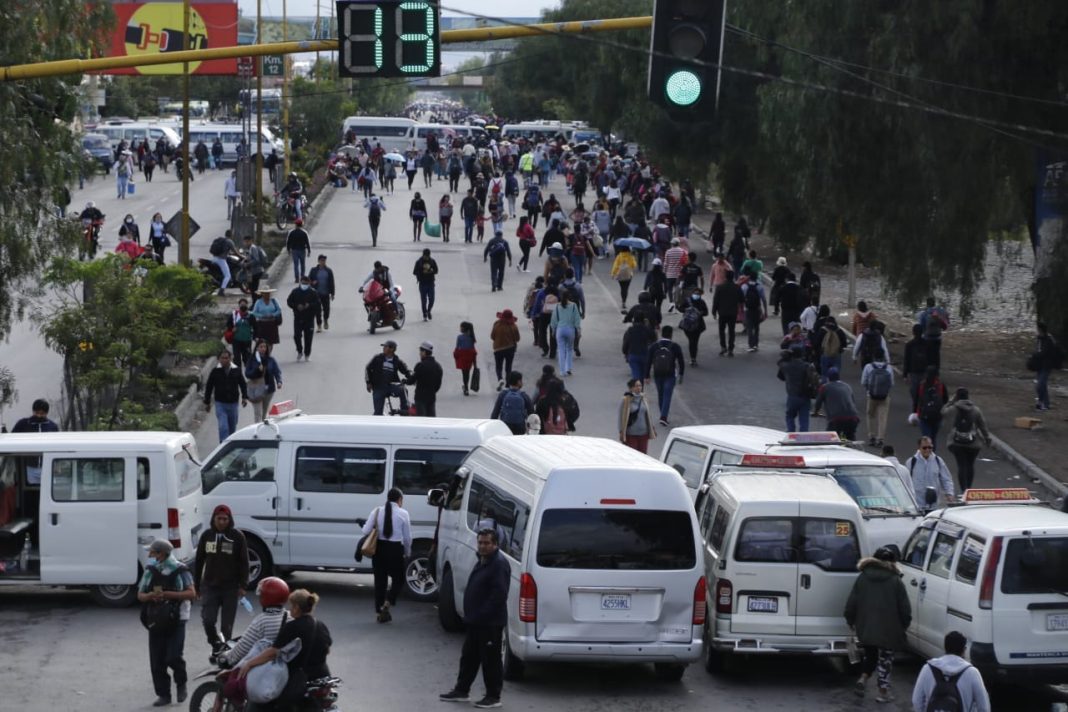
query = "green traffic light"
x=683 y=87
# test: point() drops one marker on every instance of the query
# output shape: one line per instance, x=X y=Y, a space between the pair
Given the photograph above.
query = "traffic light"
x=685 y=52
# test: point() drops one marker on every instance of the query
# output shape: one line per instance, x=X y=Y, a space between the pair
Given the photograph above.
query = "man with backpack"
x=802 y=383
x=842 y=416
x=931 y=396
x=166 y=592
x=496 y=252
x=878 y=381
x=756 y=310
x=242 y=327
x=667 y=366
x=869 y=343
x=725 y=301
x=950 y=682
x=469 y=212
x=933 y=320
x=929 y=470
x=967 y=436
x=513 y=405
x=375 y=206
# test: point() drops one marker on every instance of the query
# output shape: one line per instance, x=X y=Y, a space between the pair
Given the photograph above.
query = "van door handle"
x=806 y=581
x=923 y=585
x=300 y=502
x=274 y=503
x=55 y=518
x=912 y=582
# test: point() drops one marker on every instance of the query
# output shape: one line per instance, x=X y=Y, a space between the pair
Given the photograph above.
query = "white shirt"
x=808 y=318
x=402 y=526
x=929 y=472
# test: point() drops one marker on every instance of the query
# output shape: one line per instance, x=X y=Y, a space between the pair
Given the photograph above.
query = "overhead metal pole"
x=183 y=243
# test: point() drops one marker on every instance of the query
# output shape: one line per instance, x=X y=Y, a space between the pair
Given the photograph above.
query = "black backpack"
x=162 y=616
x=752 y=298
x=931 y=405
x=571 y=407
x=664 y=361
x=945 y=697
x=870 y=342
x=219 y=247
x=964 y=426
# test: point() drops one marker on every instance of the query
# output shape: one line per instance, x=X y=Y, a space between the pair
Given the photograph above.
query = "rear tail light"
x=528 y=599
x=990 y=572
x=724 y=597
x=174 y=533
x=700 y=604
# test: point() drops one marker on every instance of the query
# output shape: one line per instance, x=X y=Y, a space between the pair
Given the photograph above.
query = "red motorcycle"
x=381 y=310
x=91 y=236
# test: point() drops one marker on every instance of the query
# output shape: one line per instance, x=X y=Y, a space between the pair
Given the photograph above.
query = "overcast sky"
x=498 y=8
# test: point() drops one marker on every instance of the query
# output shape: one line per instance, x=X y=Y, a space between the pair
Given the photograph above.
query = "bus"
x=270 y=106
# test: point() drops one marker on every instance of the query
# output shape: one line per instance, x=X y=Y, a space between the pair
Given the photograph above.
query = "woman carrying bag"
x=268 y=315
x=264 y=378
x=391 y=550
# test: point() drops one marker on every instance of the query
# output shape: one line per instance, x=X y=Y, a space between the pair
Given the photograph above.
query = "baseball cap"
x=391 y=343
x=427 y=346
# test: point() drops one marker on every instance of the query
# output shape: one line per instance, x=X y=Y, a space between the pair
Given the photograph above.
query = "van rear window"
x=1036 y=566
x=635 y=539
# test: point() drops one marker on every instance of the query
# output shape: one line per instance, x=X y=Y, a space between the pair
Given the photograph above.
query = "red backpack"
x=555 y=422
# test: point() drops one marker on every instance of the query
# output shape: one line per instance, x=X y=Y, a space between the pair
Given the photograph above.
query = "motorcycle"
x=287 y=209
x=240 y=277
x=91 y=235
x=320 y=695
x=381 y=310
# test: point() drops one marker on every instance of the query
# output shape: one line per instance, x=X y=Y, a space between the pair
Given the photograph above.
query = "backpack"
x=555 y=422
x=532 y=198
x=497 y=248
x=625 y=273
x=931 y=405
x=571 y=407
x=495 y=186
x=219 y=248
x=690 y=319
x=664 y=361
x=933 y=324
x=513 y=407
x=832 y=344
x=752 y=298
x=375 y=210
x=557 y=269
x=242 y=328
x=547 y=306
x=964 y=426
x=578 y=247
x=869 y=344
x=164 y=615
x=879 y=385
x=945 y=697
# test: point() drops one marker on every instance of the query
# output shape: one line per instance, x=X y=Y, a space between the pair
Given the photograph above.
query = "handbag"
x=228 y=336
x=476 y=379
x=368 y=543
x=1034 y=361
x=257 y=389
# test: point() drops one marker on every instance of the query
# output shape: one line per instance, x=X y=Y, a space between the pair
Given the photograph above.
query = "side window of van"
x=916 y=548
x=241 y=462
x=942 y=555
x=490 y=508
x=766 y=540
x=353 y=470
x=688 y=459
x=144 y=479
x=722 y=457
x=719 y=529
x=830 y=544
x=418 y=471
x=971 y=553
x=88 y=480
x=706 y=516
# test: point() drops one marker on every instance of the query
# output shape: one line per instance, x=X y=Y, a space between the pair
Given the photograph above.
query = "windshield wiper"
x=888 y=510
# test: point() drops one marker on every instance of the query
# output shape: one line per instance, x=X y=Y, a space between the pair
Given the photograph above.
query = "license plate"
x=1057 y=621
x=615 y=602
x=763 y=605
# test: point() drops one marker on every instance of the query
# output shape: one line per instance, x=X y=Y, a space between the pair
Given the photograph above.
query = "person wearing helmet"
x=293 y=185
x=91 y=212
x=273 y=593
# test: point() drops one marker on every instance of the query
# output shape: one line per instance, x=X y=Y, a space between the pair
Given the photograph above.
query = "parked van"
x=395 y=133
x=449 y=131
x=531 y=130
x=780 y=553
x=883 y=495
x=301 y=486
x=130 y=131
x=231 y=135
x=996 y=570
x=80 y=509
x=602 y=543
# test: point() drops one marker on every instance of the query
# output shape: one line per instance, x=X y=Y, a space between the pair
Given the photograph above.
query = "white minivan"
x=130 y=131
x=878 y=488
x=780 y=553
x=80 y=508
x=602 y=542
x=301 y=486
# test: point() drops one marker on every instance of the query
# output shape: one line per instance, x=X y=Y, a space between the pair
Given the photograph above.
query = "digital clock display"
x=388 y=38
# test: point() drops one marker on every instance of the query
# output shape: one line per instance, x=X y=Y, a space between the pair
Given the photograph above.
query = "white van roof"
x=1006 y=518
x=91 y=440
x=370 y=428
x=542 y=455
x=751 y=438
x=745 y=437
x=782 y=487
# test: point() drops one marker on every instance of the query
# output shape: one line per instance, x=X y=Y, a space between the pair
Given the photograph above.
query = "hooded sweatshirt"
x=978 y=432
x=878 y=606
x=222 y=556
x=970 y=685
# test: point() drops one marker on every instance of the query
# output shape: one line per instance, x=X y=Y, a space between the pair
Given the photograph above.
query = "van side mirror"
x=930 y=496
x=436 y=498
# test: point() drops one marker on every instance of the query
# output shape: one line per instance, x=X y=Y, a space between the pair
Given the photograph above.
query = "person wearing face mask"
x=264 y=379
x=306 y=309
x=241 y=325
x=130 y=230
x=165 y=586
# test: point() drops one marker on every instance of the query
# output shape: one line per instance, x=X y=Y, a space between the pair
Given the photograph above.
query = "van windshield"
x=876 y=489
x=635 y=539
x=91 y=142
x=1035 y=565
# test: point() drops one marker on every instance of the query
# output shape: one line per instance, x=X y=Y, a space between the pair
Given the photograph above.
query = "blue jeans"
x=565 y=347
x=298 y=263
x=930 y=430
x=827 y=362
x=120 y=184
x=378 y=397
x=469 y=228
x=637 y=365
x=224 y=268
x=578 y=262
x=797 y=409
x=665 y=386
x=752 y=327
x=226 y=414
x=426 y=297
x=1042 y=387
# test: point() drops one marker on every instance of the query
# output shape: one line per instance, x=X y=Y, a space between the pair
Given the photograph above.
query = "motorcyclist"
x=274 y=594
x=91 y=212
x=91 y=219
x=293 y=185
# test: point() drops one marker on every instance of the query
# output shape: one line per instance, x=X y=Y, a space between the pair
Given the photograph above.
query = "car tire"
x=114 y=596
x=420 y=584
x=669 y=672
x=260 y=564
x=448 y=617
x=513 y=667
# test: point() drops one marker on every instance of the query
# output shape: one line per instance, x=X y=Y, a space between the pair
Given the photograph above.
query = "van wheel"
x=669 y=672
x=259 y=562
x=419 y=576
x=448 y=617
x=715 y=661
x=513 y=666
x=114 y=596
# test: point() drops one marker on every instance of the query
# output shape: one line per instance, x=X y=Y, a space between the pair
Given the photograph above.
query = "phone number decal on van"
x=1031 y=656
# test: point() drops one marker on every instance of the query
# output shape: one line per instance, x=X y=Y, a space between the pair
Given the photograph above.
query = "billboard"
x=156 y=27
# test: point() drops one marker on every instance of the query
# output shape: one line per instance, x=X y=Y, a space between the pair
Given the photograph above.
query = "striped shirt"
x=264 y=625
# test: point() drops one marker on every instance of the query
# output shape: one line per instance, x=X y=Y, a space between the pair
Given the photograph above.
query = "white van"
x=878 y=488
x=446 y=131
x=231 y=135
x=301 y=486
x=129 y=131
x=395 y=133
x=780 y=553
x=80 y=509
x=996 y=570
x=531 y=130
x=602 y=543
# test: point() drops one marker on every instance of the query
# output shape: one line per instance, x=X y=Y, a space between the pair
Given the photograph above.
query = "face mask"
x=129 y=221
x=304 y=286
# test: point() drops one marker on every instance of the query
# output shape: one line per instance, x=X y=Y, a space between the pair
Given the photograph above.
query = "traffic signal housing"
x=685 y=52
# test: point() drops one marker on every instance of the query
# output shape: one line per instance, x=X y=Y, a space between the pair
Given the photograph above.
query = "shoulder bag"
x=368 y=544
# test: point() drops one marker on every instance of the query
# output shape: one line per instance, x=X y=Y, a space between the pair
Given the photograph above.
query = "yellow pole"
x=285 y=88
x=183 y=244
x=82 y=66
x=259 y=128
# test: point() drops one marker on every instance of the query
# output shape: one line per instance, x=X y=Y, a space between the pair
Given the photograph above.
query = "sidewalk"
x=988 y=362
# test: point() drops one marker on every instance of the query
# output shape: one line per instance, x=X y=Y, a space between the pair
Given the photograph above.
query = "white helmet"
x=90 y=205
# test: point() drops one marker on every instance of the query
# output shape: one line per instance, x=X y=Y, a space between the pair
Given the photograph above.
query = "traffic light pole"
x=183 y=243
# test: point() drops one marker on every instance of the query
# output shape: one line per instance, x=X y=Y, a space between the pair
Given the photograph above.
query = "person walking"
x=726 y=300
x=623 y=267
x=464 y=354
x=810 y=283
x=837 y=395
x=505 y=336
x=566 y=321
x=393 y=549
x=693 y=322
x=268 y=314
x=929 y=470
x=220 y=574
x=756 y=310
x=264 y=378
x=496 y=252
x=298 y=246
x=656 y=283
x=635 y=421
x=375 y=207
x=527 y=241
x=870 y=342
x=967 y=437
x=166 y=584
x=950 y=682
x=231 y=194
x=878 y=610
x=445 y=209
x=382 y=376
x=933 y=320
x=485 y=616
x=123 y=173
x=227 y=385
x=470 y=211
x=862 y=318
x=637 y=339
x=426 y=377
x=799 y=376
x=255 y=262
x=425 y=273
x=241 y=326
x=667 y=366
x=321 y=278
x=877 y=380
x=914 y=365
x=417 y=212
x=513 y=405
x=931 y=396
x=306 y=310
x=158 y=238
x=1047 y=356
x=829 y=343
x=551 y=410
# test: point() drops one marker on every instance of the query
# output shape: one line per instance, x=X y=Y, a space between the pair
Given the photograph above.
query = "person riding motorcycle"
x=91 y=212
x=91 y=219
x=274 y=594
x=378 y=291
x=293 y=185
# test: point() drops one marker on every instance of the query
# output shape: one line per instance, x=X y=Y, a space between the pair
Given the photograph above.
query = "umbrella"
x=350 y=151
x=394 y=157
x=590 y=154
x=634 y=243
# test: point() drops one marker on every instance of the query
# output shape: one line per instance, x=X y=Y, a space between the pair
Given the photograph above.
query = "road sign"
x=174 y=225
x=246 y=67
x=273 y=65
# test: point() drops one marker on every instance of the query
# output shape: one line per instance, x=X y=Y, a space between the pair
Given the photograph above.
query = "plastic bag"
x=266 y=682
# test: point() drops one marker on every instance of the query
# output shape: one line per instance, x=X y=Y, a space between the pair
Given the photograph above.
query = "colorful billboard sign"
x=156 y=28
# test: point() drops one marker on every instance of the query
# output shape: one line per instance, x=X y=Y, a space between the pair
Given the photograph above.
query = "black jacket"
x=791 y=301
x=426 y=376
x=222 y=558
x=33 y=424
x=486 y=595
x=636 y=340
x=327 y=282
x=425 y=270
x=297 y=241
x=676 y=351
x=227 y=385
x=378 y=377
x=725 y=300
x=469 y=208
x=305 y=305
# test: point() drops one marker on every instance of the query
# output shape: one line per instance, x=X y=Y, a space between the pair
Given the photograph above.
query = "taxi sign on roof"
x=999 y=494
x=282 y=408
x=772 y=461
x=823 y=437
